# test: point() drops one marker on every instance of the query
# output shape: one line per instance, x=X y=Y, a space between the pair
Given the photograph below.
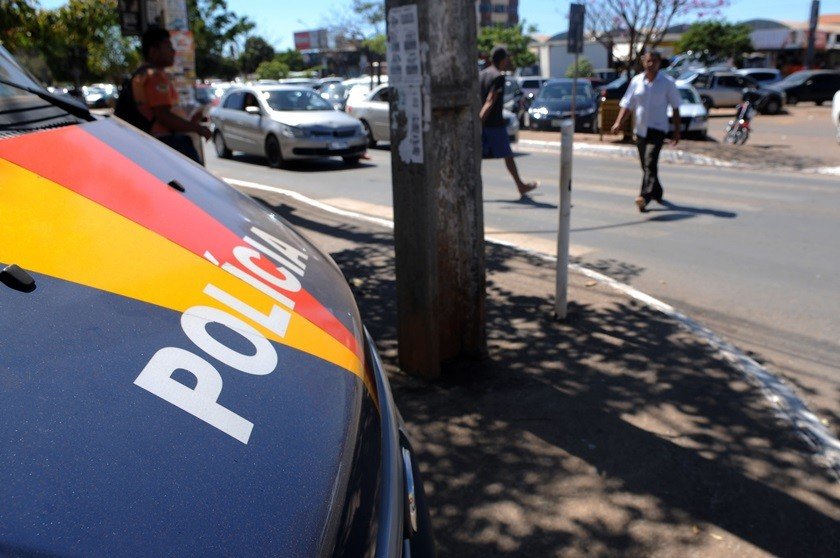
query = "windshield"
x=563 y=91
x=296 y=100
x=688 y=96
x=796 y=78
x=21 y=110
x=333 y=91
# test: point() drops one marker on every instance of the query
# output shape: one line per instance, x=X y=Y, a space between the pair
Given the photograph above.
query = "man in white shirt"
x=648 y=96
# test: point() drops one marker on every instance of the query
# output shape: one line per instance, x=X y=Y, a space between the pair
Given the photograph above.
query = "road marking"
x=786 y=403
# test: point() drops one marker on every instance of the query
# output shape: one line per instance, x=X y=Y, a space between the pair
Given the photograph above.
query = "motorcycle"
x=738 y=129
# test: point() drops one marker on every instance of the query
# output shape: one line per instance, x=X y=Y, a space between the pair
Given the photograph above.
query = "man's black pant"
x=649 y=148
x=183 y=144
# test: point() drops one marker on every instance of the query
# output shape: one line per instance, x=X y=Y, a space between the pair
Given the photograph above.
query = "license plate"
x=338 y=145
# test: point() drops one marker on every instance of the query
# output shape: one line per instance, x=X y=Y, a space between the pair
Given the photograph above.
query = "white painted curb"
x=785 y=402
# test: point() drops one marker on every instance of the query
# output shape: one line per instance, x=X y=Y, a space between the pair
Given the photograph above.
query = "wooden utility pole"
x=436 y=172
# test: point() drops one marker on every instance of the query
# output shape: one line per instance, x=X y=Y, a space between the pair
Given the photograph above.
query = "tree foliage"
x=216 y=31
x=512 y=38
x=583 y=69
x=255 y=51
x=17 y=21
x=641 y=24
x=716 y=39
x=272 y=69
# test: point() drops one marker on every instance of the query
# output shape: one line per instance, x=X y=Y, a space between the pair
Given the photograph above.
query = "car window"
x=381 y=95
x=563 y=91
x=531 y=84
x=296 y=100
x=703 y=81
x=727 y=81
x=250 y=100
x=688 y=96
x=762 y=76
x=234 y=100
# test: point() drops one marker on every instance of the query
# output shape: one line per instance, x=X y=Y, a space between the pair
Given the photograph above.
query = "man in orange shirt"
x=156 y=96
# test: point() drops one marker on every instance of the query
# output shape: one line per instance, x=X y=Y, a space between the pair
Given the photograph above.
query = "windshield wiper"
x=69 y=106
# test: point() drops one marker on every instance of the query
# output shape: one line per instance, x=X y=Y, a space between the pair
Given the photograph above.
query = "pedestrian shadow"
x=669 y=206
x=529 y=201
x=325 y=164
x=612 y=433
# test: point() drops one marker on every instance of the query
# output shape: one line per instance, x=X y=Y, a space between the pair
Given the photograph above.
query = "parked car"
x=835 y=113
x=809 y=85
x=530 y=86
x=616 y=88
x=373 y=111
x=553 y=104
x=100 y=95
x=284 y=123
x=207 y=95
x=514 y=98
x=694 y=118
x=764 y=76
x=183 y=372
x=726 y=89
x=335 y=94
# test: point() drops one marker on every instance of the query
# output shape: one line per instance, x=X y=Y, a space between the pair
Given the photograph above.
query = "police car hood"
x=188 y=375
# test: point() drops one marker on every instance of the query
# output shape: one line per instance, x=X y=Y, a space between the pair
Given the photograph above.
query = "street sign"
x=576 y=18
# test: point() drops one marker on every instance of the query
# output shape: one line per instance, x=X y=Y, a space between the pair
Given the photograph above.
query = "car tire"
x=707 y=102
x=792 y=99
x=819 y=103
x=369 y=133
x=772 y=106
x=351 y=160
x=273 y=152
x=222 y=150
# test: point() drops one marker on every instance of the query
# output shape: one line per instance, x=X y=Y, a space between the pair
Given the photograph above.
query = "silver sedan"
x=284 y=123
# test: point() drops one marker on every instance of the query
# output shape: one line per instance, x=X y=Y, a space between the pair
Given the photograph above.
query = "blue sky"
x=278 y=20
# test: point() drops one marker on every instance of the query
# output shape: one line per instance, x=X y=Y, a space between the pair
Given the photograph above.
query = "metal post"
x=812 y=33
x=563 y=229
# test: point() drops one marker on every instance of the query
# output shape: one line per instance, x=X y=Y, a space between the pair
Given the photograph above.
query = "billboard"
x=315 y=39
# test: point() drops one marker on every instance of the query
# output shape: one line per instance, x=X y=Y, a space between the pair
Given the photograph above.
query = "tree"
x=272 y=69
x=293 y=60
x=583 y=68
x=255 y=51
x=216 y=31
x=512 y=39
x=17 y=18
x=641 y=24
x=716 y=39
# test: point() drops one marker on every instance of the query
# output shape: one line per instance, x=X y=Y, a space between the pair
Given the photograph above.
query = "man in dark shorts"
x=495 y=143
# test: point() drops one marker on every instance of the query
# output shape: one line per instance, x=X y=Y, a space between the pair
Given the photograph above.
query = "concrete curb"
x=786 y=404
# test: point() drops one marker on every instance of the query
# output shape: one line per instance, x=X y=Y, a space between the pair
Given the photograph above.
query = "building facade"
x=497 y=12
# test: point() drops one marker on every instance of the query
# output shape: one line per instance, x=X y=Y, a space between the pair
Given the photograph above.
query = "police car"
x=181 y=373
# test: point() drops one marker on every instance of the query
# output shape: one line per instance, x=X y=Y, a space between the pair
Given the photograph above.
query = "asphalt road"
x=749 y=254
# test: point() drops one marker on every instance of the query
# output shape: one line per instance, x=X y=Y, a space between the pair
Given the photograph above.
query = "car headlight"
x=587 y=112
x=293 y=131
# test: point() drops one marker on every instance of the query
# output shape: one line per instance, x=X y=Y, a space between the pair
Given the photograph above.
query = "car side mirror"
x=252 y=110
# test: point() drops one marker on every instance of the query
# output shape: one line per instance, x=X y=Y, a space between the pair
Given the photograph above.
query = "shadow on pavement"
x=325 y=164
x=614 y=433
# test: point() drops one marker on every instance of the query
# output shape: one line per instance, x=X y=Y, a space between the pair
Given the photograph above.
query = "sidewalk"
x=616 y=433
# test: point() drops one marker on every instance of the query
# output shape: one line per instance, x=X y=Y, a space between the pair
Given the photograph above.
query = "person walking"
x=156 y=97
x=648 y=96
x=495 y=143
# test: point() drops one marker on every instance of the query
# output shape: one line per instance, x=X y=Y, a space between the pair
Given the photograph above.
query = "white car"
x=373 y=112
x=283 y=123
x=694 y=118
x=835 y=113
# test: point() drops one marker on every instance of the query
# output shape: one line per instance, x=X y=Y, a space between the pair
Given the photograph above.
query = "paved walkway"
x=616 y=433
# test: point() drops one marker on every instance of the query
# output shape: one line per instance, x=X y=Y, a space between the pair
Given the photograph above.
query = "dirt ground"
x=802 y=137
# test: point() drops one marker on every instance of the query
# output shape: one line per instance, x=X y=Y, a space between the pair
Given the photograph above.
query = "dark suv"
x=810 y=85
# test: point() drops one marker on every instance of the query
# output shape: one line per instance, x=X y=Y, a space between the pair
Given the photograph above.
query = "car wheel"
x=369 y=134
x=819 y=103
x=351 y=160
x=772 y=106
x=273 y=152
x=707 y=102
x=792 y=99
x=222 y=150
